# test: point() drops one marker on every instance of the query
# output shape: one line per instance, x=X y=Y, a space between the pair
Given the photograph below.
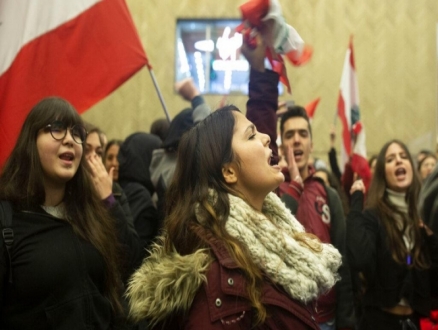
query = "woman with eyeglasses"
x=68 y=231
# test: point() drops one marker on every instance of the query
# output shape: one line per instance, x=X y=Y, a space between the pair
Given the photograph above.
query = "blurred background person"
x=110 y=157
x=93 y=147
x=426 y=166
x=135 y=157
x=160 y=128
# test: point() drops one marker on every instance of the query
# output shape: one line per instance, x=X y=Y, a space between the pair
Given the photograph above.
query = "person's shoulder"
x=314 y=182
x=135 y=190
x=428 y=201
x=149 y=286
x=331 y=193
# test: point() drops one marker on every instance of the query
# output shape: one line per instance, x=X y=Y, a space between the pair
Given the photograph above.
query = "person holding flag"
x=319 y=209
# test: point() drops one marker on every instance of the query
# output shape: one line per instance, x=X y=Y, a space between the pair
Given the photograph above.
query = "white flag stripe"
x=284 y=37
x=21 y=21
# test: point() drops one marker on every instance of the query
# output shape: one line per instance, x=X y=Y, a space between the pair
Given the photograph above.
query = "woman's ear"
x=229 y=173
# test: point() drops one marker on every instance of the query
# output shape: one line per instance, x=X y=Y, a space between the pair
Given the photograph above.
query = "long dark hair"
x=377 y=198
x=202 y=153
x=22 y=183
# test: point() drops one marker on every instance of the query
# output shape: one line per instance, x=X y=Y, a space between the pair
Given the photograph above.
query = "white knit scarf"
x=302 y=272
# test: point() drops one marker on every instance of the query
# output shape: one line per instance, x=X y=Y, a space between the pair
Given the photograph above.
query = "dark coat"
x=58 y=277
x=208 y=292
x=387 y=281
x=134 y=160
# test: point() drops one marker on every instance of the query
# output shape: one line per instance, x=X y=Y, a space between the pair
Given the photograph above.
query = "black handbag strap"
x=7 y=231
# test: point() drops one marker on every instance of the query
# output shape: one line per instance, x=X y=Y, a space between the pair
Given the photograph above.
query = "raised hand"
x=187 y=89
x=255 y=55
x=292 y=166
x=332 y=136
x=357 y=185
x=102 y=180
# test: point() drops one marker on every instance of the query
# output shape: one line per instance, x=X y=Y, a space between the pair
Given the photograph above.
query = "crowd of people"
x=198 y=225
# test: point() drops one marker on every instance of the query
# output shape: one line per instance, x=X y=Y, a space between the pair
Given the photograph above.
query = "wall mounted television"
x=208 y=50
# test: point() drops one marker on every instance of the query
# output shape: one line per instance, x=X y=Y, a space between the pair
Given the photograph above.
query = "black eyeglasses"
x=58 y=130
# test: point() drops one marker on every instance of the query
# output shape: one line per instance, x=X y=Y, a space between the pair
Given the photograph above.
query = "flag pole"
x=160 y=96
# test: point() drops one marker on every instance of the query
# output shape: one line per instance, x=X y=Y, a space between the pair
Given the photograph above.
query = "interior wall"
x=395 y=54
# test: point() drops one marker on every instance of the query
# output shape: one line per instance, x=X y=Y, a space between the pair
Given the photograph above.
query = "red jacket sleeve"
x=263 y=103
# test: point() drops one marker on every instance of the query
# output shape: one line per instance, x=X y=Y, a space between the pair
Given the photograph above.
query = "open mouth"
x=400 y=172
x=273 y=160
x=67 y=156
x=298 y=153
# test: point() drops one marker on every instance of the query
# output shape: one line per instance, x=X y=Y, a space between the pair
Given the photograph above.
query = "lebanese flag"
x=80 y=50
x=282 y=38
x=353 y=145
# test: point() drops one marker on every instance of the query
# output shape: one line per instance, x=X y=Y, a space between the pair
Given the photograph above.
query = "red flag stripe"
x=82 y=61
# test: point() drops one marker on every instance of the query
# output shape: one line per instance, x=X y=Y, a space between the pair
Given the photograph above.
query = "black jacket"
x=387 y=282
x=134 y=177
x=58 y=277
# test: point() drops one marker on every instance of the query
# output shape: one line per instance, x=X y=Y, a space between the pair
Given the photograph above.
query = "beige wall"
x=395 y=52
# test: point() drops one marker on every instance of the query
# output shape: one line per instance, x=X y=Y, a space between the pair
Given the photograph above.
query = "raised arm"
x=262 y=104
x=332 y=156
x=362 y=230
x=187 y=89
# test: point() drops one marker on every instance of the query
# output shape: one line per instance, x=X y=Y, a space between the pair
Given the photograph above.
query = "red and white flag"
x=80 y=50
x=353 y=145
x=282 y=38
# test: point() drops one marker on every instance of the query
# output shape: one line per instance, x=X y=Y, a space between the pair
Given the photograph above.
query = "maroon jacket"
x=222 y=302
x=319 y=210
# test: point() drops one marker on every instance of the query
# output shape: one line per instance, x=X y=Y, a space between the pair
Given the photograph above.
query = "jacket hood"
x=166 y=283
x=135 y=157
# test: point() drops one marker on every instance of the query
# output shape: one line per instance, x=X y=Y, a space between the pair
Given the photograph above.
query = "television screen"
x=209 y=52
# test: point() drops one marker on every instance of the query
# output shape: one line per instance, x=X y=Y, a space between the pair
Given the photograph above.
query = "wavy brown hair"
x=22 y=183
x=202 y=152
x=377 y=199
